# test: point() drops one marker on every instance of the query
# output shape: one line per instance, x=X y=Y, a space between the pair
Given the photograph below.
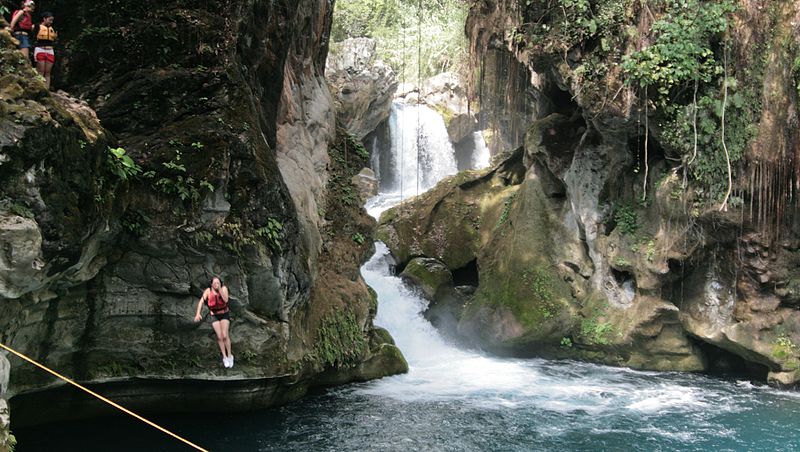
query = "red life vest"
x=216 y=303
x=25 y=23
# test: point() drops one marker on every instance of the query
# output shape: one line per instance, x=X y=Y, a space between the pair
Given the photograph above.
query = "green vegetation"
x=557 y=25
x=681 y=52
x=509 y=202
x=650 y=251
x=621 y=261
x=595 y=330
x=626 y=218
x=340 y=341
x=236 y=237
x=359 y=238
x=272 y=232
x=135 y=222
x=566 y=342
x=539 y=285
x=121 y=164
x=187 y=188
x=22 y=211
x=785 y=350
x=343 y=203
x=402 y=32
x=706 y=113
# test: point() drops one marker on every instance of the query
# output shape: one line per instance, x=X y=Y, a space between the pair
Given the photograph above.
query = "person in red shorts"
x=22 y=26
x=44 y=54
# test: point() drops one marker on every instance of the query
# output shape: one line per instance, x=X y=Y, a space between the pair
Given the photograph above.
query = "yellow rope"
x=110 y=402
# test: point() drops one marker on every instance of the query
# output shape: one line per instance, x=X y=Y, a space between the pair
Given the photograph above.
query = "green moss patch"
x=340 y=341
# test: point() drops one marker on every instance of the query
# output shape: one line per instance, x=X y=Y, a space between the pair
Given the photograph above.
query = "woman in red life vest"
x=22 y=26
x=216 y=298
x=43 y=54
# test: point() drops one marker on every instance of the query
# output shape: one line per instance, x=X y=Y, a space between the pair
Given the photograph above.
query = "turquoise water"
x=591 y=408
x=461 y=400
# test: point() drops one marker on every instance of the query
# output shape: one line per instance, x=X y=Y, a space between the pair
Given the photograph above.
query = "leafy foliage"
x=186 y=187
x=340 y=341
x=682 y=50
x=595 y=331
x=135 y=222
x=21 y=210
x=403 y=32
x=273 y=232
x=561 y=24
x=626 y=218
x=121 y=164
x=683 y=73
x=507 y=205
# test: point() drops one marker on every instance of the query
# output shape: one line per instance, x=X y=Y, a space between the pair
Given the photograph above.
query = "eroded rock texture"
x=362 y=85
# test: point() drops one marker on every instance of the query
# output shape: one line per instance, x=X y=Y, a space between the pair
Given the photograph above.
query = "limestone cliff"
x=612 y=238
x=214 y=150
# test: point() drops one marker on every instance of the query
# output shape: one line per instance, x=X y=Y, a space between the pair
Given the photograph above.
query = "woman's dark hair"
x=216 y=277
x=47 y=14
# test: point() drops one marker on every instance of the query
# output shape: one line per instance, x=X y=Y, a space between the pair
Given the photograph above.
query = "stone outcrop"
x=226 y=170
x=429 y=275
x=445 y=93
x=363 y=86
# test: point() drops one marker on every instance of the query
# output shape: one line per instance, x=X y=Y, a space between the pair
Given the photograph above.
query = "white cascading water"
x=481 y=156
x=420 y=154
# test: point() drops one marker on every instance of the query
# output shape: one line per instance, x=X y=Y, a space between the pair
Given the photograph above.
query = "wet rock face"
x=362 y=85
x=231 y=127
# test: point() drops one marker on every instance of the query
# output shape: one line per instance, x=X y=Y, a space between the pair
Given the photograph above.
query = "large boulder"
x=429 y=275
x=362 y=85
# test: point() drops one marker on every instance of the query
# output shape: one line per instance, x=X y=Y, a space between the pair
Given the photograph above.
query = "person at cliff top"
x=22 y=26
x=216 y=298
x=43 y=54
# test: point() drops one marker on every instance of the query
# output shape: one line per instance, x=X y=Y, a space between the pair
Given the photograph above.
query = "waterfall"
x=481 y=156
x=420 y=153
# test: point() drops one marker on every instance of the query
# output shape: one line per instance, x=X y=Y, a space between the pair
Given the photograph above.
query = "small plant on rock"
x=359 y=238
x=272 y=231
x=121 y=164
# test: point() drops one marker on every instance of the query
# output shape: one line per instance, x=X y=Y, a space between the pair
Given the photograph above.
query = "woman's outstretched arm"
x=197 y=316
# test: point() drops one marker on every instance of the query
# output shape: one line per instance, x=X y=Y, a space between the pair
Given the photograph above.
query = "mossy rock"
x=429 y=275
x=522 y=300
x=386 y=360
x=452 y=221
x=381 y=336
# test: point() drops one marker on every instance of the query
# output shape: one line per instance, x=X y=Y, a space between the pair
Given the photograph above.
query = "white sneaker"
x=226 y=362
x=230 y=361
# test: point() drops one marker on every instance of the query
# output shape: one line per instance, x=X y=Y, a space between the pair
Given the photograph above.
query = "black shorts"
x=221 y=316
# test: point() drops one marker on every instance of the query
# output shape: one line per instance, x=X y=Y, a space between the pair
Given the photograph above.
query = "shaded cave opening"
x=724 y=364
x=466 y=275
x=622 y=277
